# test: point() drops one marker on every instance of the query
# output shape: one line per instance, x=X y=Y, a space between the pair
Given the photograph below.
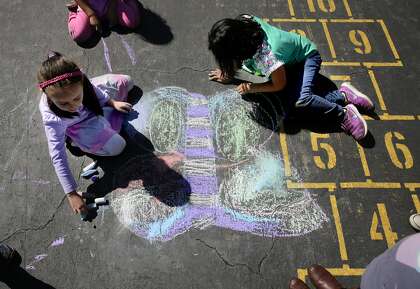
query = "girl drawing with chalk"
x=248 y=46
x=88 y=16
x=85 y=113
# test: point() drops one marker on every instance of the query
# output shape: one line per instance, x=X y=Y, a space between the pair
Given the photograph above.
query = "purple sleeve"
x=102 y=97
x=55 y=132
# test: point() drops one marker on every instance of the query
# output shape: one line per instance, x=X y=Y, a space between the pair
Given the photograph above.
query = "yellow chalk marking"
x=363 y=160
x=340 y=63
x=383 y=64
x=328 y=35
x=340 y=77
x=369 y=184
x=416 y=202
x=345 y=271
x=293 y=20
x=377 y=90
x=408 y=158
x=412 y=186
x=352 y=20
x=291 y=8
x=285 y=151
x=340 y=235
x=374 y=234
x=293 y=185
x=390 y=236
x=386 y=116
x=331 y=157
x=347 y=7
x=388 y=37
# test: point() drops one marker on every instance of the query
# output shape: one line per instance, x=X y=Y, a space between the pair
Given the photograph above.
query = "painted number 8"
x=360 y=41
x=321 y=4
x=392 y=151
x=326 y=147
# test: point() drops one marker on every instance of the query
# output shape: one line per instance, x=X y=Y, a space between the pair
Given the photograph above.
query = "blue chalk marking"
x=160 y=228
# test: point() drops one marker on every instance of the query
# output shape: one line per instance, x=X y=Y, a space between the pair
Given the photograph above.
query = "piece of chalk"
x=101 y=201
x=91 y=206
x=89 y=173
x=90 y=166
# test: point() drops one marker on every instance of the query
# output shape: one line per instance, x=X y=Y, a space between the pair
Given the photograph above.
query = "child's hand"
x=244 y=88
x=217 y=75
x=122 y=106
x=94 y=21
x=76 y=203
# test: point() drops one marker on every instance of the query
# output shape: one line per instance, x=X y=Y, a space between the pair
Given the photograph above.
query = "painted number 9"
x=328 y=8
x=316 y=146
x=392 y=151
x=360 y=41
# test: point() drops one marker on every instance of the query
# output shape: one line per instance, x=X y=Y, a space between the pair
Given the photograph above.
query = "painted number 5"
x=329 y=8
x=392 y=150
x=316 y=146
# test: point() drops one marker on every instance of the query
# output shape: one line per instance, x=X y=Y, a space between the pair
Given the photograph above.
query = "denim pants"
x=300 y=98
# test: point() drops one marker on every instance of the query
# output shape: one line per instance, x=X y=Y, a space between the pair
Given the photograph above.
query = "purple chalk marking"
x=58 y=242
x=106 y=54
x=30 y=267
x=203 y=185
x=198 y=111
x=199 y=152
x=194 y=132
x=40 y=257
x=130 y=51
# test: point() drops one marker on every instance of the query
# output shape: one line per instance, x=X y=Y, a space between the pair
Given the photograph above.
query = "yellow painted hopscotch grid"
x=380 y=214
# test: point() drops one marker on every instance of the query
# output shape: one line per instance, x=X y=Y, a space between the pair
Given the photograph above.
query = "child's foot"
x=415 y=221
x=9 y=258
x=354 y=96
x=353 y=123
x=72 y=6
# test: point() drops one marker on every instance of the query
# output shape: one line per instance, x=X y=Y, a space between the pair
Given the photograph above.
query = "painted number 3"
x=317 y=146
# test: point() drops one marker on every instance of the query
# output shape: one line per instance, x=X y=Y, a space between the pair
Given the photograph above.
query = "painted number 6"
x=321 y=4
x=392 y=150
x=328 y=149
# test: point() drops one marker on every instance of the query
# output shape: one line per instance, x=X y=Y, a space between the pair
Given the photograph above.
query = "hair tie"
x=56 y=79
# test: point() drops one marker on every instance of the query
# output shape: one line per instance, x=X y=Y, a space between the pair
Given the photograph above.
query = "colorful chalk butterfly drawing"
x=223 y=159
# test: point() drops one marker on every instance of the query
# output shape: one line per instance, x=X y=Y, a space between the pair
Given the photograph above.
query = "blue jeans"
x=302 y=100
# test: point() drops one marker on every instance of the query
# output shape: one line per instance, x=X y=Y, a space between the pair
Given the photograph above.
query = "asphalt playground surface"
x=366 y=191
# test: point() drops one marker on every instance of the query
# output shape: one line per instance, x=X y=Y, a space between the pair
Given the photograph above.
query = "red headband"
x=46 y=83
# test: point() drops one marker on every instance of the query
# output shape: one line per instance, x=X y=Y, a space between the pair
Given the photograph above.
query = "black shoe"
x=10 y=259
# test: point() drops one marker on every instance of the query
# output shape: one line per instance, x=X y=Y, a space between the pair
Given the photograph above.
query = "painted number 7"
x=317 y=146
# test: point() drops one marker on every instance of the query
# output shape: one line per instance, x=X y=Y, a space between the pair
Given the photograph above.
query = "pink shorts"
x=78 y=23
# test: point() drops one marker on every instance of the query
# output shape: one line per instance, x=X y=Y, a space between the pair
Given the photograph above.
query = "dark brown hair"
x=56 y=65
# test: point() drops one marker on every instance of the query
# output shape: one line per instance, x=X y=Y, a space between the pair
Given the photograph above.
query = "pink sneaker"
x=353 y=123
x=355 y=97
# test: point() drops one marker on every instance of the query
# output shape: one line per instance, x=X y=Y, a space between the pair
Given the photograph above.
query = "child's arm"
x=121 y=106
x=93 y=19
x=277 y=83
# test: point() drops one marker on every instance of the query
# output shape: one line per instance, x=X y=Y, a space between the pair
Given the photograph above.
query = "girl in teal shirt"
x=262 y=49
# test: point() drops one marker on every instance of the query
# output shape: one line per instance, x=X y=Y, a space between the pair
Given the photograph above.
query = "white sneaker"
x=415 y=221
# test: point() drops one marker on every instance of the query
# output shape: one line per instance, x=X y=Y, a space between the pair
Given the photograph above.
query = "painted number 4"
x=390 y=236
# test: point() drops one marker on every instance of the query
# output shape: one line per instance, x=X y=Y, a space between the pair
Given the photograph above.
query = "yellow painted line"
x=347 y=7
x=337 y=272
x=328 y=35
x=340 y=77
x=388 y=37
x=291 y=8
x=412 y=186
x=418 y=117
x=306 y=185
x=383 y=64
x=390 y=236
x=293 y=20
x=363 y=160
x=338 y=227
x=339 y=63
x=387 y=116
x=352 y=20
x=285 y=152
x=374 y=234
x=377 y=90
x=369 y=184
x=416 y=202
